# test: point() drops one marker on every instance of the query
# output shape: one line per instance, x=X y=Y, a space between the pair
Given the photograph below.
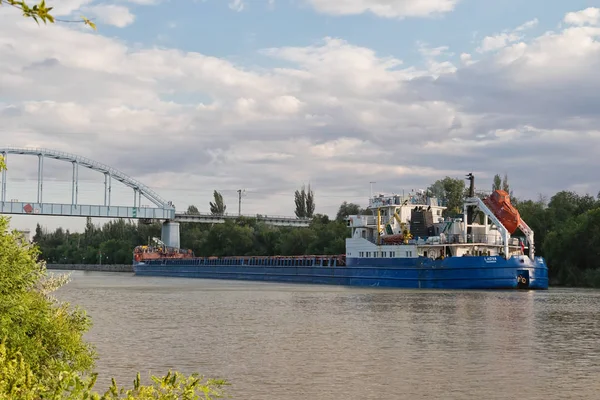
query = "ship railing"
x=357 y=221
x=268 y=261
x=494 y=240
x=411 y=199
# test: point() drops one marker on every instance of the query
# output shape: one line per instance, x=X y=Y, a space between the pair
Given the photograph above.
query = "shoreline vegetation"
x=566 y=226
x=42 y=351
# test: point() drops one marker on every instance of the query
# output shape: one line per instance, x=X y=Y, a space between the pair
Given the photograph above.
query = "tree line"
x=566 y=230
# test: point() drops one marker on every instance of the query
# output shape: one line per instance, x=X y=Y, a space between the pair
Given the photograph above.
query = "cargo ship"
x=405 y=242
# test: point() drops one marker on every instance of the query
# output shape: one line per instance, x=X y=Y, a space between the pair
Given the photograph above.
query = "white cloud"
x=111 y=14
x=336 y=115
x=496 y=42
x=66 y=7
x=467 y=59
x=385 y=8
x=589 y=16
x=431 y=55
x=528 y=25
x=237 y=5
x=501 y=40
x=433 y=52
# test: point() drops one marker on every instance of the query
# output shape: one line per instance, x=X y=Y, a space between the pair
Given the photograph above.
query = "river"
x=284 y=341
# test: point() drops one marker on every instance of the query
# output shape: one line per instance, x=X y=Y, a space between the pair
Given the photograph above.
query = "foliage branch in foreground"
x=41 y=12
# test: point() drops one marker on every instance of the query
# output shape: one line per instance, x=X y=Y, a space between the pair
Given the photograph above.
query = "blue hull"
x=475 y=272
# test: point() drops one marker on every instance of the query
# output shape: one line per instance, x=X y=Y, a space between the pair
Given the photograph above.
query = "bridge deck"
x=82 y=210
x=97 y=211
x=219 y=219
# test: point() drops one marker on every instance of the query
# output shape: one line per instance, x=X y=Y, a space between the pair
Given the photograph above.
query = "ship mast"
x=470 y=209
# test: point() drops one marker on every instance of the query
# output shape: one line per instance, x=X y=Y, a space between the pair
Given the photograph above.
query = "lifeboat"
x=499 y=203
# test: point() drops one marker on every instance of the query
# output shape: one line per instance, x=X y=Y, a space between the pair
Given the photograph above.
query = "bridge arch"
x=164 y=211
x=109 y=174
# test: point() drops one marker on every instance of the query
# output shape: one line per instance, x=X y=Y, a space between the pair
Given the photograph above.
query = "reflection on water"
x=276 y=341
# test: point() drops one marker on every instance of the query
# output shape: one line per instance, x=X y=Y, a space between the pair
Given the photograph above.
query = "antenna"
x=240 y=193
x=371 y=183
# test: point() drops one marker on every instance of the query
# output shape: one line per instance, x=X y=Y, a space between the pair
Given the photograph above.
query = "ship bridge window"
x=392 y=254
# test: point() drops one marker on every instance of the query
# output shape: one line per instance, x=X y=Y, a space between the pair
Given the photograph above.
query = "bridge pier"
x=170 y=234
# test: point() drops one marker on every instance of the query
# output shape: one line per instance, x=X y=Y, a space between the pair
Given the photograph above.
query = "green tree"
x=300 y=201
x=573 y=251
x=347 y=209
x=565 y=205
x=497 y=185
x=505 y=185
x=452 y=191
x=218 y=207
x=535 y=214
x=39 y=233
x=329 y=237
x=193 y=210
x=297 y=242
x=310 y=203
x=305 y=202
x=322 y=218
x=46 y=332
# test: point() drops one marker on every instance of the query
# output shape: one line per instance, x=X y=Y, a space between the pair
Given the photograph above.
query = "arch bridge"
x=162 y=209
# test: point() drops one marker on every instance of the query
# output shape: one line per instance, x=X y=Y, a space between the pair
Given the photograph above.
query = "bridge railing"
x=235 y=215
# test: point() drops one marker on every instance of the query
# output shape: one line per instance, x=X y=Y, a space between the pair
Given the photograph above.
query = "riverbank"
x=93 y=267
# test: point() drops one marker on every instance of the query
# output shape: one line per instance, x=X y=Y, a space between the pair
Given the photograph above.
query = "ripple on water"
x=274 y=341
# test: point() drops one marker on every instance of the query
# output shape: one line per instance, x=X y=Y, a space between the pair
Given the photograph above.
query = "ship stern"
x=531 y=274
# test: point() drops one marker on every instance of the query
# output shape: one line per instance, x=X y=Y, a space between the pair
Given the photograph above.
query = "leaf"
x=88 y=22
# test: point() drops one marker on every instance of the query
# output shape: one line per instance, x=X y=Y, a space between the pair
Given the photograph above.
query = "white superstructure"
x=412 y=226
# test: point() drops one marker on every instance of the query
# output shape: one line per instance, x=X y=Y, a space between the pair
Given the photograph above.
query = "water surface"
x=285 y=341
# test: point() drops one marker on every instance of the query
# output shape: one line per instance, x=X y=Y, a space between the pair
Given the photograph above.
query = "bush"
x=42 y=351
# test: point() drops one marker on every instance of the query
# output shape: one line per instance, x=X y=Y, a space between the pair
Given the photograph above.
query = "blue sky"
x=212 y=27
x=193 y=96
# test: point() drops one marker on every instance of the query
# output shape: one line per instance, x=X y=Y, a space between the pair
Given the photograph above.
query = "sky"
x=191 y=96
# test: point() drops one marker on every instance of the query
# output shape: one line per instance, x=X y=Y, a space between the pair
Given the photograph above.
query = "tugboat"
x=405 y=243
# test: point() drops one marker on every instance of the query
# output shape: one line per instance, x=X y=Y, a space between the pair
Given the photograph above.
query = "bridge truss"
x=163 y=210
